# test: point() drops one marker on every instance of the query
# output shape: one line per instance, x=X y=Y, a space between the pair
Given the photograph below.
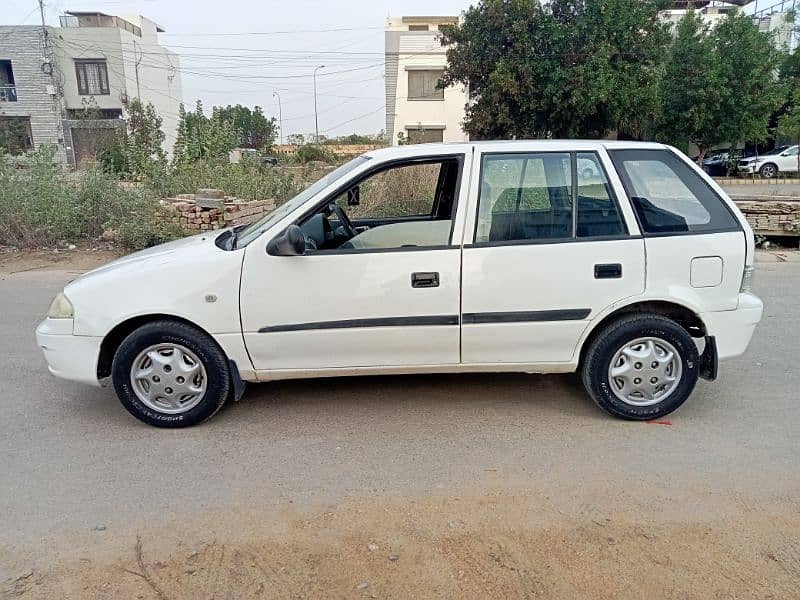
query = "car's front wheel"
x=169 y=374
x=641 y=367
x=768 y=171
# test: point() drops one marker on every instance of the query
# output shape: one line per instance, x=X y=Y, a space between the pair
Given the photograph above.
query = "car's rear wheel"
x=170 y=374
x=641 y=367
x=768 y=171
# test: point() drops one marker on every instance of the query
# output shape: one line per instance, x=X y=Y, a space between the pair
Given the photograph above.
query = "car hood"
x=163 y=254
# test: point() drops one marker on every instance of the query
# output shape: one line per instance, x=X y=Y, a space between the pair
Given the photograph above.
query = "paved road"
x=73 y=460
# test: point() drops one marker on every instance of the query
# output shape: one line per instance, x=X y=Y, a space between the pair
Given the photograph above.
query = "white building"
x=92 y=61
x=712 y=14
x=416 y=109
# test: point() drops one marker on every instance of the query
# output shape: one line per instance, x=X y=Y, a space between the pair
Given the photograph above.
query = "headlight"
x=61 y=308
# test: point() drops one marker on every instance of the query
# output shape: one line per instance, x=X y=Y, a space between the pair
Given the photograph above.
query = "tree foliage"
x=719 y=84
x=565 y=68
x=204 y=138
x=256 y=131
x=140 y=150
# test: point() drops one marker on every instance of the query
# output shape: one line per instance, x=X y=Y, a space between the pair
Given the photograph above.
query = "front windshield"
x=252 y=231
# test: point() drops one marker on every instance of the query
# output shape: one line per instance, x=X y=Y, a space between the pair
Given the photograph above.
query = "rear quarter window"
x=668 y=196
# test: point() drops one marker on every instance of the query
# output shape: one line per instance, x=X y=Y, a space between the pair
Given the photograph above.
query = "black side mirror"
x=291 y=242
x=354 y=196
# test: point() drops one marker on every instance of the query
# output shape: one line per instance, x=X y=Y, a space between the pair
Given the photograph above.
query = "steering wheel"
x=345 y=221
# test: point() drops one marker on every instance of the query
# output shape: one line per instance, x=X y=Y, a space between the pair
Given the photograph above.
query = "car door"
x=538 y=270
x=389 y=297
x=787 y=160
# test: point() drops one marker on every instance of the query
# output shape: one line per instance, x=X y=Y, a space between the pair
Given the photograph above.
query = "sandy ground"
x=496 y=486
x=500 y=544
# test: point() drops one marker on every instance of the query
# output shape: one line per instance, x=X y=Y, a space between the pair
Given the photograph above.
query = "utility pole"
x=280 y=115
x=49 y=70
x=316 y=116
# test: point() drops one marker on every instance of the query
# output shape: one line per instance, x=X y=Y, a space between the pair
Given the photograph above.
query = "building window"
x=8 y=92
x=92 y=77
x=424 y=85
x=15 y=134
x=418 y=28
x=420 y=135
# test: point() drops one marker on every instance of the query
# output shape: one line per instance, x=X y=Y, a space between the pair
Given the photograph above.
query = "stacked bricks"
x=229 y=211
x=771 y=217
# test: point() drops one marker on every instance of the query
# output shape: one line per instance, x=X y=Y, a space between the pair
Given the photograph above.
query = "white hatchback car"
x=622 y=260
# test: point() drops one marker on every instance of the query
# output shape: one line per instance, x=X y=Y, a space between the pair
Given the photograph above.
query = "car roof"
x=506 y=146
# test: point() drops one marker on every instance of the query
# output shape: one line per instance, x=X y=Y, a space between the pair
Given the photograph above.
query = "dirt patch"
x=78 y=259
x=497 y=545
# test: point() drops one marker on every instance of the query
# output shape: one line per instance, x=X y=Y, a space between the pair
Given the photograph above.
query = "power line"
x=288 y=31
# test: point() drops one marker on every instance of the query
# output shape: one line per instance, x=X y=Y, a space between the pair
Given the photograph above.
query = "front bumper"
x=733 y=329
x=68 y=356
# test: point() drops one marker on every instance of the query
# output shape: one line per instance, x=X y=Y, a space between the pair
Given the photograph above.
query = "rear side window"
x=668 y=196
x=533 y=197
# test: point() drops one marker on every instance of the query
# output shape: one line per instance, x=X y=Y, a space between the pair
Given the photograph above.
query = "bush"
x=310 y=153
x=44 y=205
x=248 y=180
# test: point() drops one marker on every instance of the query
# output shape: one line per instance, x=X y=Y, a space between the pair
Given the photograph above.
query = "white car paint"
x=245 y=298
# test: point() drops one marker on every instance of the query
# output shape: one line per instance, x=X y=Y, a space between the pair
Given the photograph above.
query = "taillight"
x=747 y=280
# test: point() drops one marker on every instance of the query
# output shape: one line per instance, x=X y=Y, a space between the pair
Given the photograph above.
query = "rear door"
x=551 y=247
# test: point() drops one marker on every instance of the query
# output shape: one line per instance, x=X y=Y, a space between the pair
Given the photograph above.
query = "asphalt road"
x=80 y=478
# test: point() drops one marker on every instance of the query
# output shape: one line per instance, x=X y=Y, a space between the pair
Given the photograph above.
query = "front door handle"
x=425 y=280
x=608 y=271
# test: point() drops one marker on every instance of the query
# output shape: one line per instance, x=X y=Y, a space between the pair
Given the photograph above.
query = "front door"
x=379 y=283
x=551 y=249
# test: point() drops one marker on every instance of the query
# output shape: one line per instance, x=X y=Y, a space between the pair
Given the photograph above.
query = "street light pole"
x=316 y=115
x=280 y=115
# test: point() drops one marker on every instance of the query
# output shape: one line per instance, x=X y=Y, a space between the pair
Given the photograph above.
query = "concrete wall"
x=410 y=50
x=23 y=47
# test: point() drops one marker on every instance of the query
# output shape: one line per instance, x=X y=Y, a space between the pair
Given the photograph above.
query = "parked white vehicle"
x=433 y=258
x=768 y=165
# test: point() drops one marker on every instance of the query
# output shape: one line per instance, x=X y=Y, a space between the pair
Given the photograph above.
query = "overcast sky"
x=229 y=53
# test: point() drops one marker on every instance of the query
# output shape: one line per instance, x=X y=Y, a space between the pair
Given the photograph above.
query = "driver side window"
x=407 y=205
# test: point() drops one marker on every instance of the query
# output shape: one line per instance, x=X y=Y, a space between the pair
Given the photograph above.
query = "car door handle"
x=424 y=280
x=608 y=271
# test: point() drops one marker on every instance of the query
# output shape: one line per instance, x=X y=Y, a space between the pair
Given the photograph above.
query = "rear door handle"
x=608 y=271
x=424 y=280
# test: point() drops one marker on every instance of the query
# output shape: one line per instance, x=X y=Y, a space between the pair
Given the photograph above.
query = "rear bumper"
x=733 y=329
x=68 y=356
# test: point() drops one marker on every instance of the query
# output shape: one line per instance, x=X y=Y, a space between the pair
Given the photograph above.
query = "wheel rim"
x=645 y=371
x=169 y=378
x=768 y=171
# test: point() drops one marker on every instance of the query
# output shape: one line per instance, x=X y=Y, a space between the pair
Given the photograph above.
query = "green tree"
x=719 y=85
x=690 y=89
x=746 y=58
x=204 y=138
x=256 y=130
x=141 y=145
x=565 y=68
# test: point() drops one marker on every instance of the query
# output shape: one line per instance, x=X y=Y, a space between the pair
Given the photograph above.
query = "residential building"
x=417 y=109
x=74 y=93
x=712 y=13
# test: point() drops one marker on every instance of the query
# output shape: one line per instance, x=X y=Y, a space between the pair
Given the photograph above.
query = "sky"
x=241 y=51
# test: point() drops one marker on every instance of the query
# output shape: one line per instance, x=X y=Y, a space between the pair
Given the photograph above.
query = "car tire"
x=768 y=171
x=625 y=344
x=170 y=374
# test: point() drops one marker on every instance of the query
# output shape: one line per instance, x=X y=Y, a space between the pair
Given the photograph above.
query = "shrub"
x=248 y=180
x=310 y=153
x=44 y=205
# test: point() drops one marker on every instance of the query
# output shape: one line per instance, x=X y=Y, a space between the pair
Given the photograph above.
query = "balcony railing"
x=8 y=93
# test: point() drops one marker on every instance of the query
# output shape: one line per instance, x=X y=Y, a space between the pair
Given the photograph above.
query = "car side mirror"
x=291 y=242
x=354 y=196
